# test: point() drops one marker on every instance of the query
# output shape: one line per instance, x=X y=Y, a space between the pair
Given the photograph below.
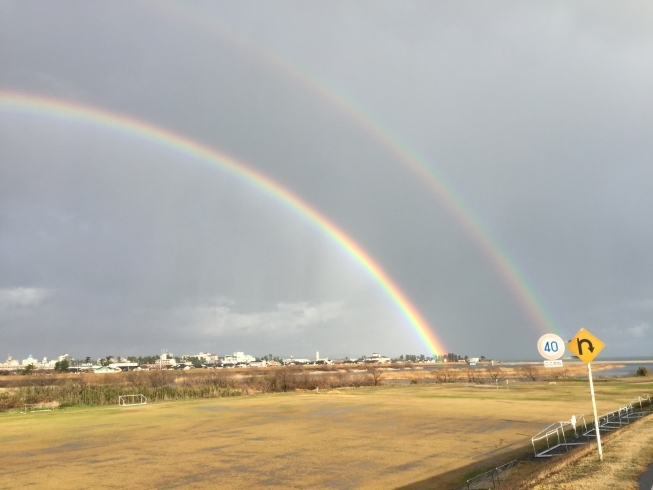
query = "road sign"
x=585 y=345
x=553 y=364
x=551 y=346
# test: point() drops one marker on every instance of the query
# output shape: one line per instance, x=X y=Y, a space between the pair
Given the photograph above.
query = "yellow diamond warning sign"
x=585 y=345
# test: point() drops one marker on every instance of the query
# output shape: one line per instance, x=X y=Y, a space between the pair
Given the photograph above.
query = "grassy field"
x=417 y=436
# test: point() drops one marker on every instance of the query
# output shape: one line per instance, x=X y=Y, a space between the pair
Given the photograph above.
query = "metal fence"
x=623 y=415
x=488 y=480
x=557 y=438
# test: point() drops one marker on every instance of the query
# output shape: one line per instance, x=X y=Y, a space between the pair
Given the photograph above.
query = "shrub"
x=641 y=371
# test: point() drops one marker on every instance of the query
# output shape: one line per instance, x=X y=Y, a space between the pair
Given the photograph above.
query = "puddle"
x=646 y=480
x=213 y=408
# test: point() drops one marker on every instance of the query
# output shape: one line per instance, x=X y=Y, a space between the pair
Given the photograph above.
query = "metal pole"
x=596 y=417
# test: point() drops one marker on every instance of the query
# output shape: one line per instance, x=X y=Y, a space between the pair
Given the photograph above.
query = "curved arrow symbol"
x=580 y=345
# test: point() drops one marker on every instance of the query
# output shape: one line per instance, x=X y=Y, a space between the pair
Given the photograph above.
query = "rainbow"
x=71 y=111
x=507 y=269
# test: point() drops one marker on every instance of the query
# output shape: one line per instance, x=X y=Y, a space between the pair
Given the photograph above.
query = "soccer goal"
x=36 y=407
x=131 y=400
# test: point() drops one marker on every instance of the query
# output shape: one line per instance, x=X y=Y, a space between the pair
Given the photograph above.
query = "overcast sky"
x=539 y=116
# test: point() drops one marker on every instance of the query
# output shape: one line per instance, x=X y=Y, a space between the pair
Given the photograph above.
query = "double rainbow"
x=41 y=106
x=510 y=273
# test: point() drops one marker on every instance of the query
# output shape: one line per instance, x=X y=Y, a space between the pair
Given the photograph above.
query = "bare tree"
x=285 y=379
x=356 y=380
x=375 y=375
x=160 y=378
x=495 y=374
x=342 y=379
x=472 y=376
x=529 y=372
x=444 y=375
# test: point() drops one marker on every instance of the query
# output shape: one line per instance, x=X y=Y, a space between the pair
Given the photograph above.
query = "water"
x=628 y=370
x=646 y=480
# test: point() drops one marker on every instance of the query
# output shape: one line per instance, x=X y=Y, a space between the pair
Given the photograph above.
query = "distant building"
x=29 y=360
x=292 y=361
x=107 y=370
x=376 y=359
x=165 y=361
x=238 y=358
x=318 y=360
x=124 y=366
x=205 y=357
x=10 y=364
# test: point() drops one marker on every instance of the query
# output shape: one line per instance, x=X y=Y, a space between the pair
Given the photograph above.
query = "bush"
x=641 y=371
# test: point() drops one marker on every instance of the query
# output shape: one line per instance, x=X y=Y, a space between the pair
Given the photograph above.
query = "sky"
x=531 y=124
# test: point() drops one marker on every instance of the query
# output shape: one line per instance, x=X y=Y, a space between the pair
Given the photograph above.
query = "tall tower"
x=317 y=355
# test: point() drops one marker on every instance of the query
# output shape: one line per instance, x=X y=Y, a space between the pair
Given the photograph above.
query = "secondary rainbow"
x=72 y=111
x=510 y=273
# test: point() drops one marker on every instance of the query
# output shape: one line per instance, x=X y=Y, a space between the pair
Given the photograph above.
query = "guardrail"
x=491 y=477
x=555 y=436
x=559 y=436
x=643 y=400
x=623 y=415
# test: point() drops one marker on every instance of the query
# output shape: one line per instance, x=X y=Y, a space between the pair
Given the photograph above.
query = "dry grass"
x=485 y=373
x=369 y=437
x=626 y=455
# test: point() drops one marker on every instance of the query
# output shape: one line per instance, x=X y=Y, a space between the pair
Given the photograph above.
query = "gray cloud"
x=537 y=114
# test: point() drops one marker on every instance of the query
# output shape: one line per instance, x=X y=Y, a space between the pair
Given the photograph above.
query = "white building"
x=166 y=360
x=11 y=362
x=377 y=359
x=203 y=356
x=292 y=361
x=238 y=358
x=124 y=366
x=29 y=360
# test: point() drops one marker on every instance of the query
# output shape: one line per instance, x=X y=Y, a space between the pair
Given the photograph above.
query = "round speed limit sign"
x=551 y=346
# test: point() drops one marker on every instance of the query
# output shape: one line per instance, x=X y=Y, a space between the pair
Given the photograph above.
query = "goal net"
x=130 y=400
x=36 y=407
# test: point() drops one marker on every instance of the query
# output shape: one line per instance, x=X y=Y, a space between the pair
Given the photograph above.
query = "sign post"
x=586 y=346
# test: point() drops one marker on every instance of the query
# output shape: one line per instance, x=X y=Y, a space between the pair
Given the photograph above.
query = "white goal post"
x=36 y=407
x=130 y=400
